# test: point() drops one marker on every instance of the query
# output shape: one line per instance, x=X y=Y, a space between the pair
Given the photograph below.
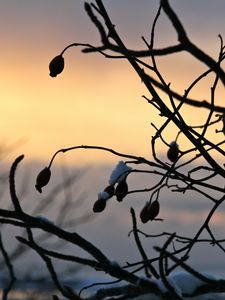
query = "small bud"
x=173 y=151
x=121 y=190
x=99 y=205
x=110 y=190
x=150 y=211
x=56 y=65
x=144 y=214
x=42 y=179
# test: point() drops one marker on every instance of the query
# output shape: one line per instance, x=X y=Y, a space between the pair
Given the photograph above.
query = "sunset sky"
x=94 y=101
x=98 y=101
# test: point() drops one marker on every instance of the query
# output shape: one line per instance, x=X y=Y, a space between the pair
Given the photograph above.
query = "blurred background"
x=95 y=101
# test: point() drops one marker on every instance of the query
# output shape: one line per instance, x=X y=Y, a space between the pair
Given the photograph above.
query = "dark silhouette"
x=177 y=173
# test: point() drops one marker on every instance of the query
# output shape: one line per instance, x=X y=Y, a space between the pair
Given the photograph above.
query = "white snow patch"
x=45 y=220
x=174 y=144
x=172 y=282
x=119 y=173
x=103 y=196
x=142 y=280
x=188 y=282
x=114 y=264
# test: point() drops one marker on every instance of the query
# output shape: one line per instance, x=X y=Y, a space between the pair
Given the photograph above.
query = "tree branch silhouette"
x=192 y=168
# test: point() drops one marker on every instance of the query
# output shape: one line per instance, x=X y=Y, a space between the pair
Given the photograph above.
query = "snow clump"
x=119 y=173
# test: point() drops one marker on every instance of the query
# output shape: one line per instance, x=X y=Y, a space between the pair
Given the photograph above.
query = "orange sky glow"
x=98 y=101
x=95 y=101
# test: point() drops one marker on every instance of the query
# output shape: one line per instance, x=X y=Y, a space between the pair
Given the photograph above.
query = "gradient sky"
x=97 y=101
x=94 y=101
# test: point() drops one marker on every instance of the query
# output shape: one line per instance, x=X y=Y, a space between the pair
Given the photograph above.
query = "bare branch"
x=10 y=269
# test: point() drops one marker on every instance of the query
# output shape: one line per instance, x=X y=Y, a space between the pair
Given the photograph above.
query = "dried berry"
x=121 y=190
x=153 y=210
x=150 y=211
x=56 y=65
x=173 y=151
x=110 y=190
x=144 y=214
x=99 y=205
x=43 y=179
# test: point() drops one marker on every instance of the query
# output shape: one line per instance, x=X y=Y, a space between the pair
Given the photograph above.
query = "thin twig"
x=147 y=265
x=10 y=269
